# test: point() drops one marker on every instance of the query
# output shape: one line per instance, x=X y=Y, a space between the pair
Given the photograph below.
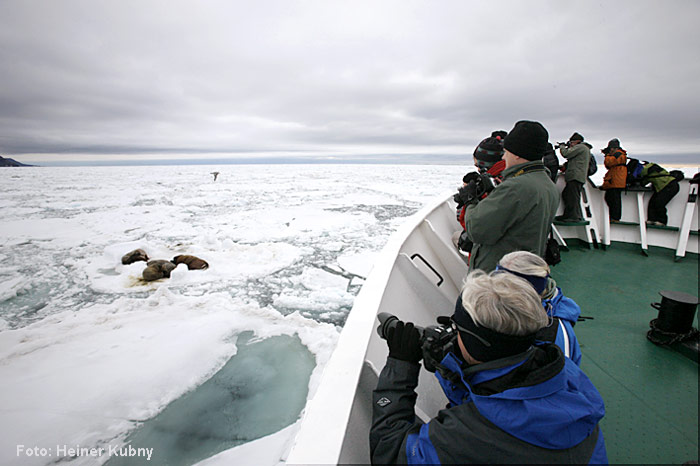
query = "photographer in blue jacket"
x=562 y=310
x=510 y=400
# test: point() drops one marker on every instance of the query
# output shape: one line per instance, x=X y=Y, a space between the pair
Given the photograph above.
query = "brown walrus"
x=156 y=269
x=193 y=262
x=134 y=256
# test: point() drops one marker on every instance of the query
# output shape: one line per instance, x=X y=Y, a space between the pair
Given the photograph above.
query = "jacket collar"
x=533 y=367
x=544 y=400
x=522 y=168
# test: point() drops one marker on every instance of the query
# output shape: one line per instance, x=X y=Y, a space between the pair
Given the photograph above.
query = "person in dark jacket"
x=488 y=159
x=509 y=401
x=615 y=179
x=578 y=156
x=665 y=188
x=518 y=213
x=551 y=162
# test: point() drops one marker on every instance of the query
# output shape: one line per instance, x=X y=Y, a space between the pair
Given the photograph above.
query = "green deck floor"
x=650 y=393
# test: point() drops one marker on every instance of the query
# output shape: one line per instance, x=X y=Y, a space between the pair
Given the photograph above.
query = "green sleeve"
x=488 y=220
x=571 y=152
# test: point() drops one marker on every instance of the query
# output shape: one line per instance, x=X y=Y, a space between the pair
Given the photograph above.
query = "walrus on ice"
x=156 y=269
x=134 y=256
x=193 y=262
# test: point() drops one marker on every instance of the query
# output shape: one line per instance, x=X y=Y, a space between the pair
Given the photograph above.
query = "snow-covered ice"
x=89 y=351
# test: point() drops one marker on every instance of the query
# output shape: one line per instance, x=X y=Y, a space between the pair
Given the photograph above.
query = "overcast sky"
x=106 y=79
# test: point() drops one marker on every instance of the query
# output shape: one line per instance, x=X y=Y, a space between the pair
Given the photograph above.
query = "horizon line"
x=371 y=159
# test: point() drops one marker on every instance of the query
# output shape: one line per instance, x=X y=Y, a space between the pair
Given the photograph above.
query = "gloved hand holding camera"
x=478 y=185
x=410 y=343
x=464 y=243
x=466 y=193
x=469 y=193
x=471 y=176
x=404 y=342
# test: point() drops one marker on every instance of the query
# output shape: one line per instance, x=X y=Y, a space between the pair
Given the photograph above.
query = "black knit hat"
x=489 y=151
x=499 y=134
x=527 y=139
x=614 y=144
x=576 y=137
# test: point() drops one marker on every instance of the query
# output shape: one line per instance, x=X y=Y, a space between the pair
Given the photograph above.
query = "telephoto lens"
x=435 y=340
x=388 y=321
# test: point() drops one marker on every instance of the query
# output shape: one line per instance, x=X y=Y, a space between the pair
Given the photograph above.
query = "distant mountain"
x=12 y=163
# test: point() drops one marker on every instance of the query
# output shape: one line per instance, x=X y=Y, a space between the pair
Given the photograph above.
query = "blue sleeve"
x=565 y=308
x=574 y=347
x=575 y=352
x=419 y=448
x=600 y=454
x=570 y=348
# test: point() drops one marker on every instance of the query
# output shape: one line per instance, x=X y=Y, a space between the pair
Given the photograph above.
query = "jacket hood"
x=618 y=152
x=557 y=413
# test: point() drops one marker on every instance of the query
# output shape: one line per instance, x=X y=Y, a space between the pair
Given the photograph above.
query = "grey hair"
x=504 y=303
x=526 y=263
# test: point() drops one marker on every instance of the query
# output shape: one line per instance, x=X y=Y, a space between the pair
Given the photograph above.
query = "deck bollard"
x=675 y=320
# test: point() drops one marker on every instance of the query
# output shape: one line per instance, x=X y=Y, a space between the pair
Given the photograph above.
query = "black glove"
x=462 y=197
x=404 y=342
x=471 y=176
x=486 y=184
x=469 y=193
x=464 y=243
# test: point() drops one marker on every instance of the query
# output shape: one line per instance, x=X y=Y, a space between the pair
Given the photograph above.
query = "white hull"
x=417 y=277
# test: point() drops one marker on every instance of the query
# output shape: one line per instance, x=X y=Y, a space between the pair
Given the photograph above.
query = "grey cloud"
x=122 y=77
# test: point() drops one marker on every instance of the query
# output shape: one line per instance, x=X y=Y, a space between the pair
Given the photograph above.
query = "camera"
x=464 y=243
x=476 y=188
x=560 y=144
x=435 y=340
x=487 y=184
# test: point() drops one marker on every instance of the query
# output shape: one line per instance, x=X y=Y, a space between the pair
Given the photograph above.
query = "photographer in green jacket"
x=578 y=156
x=518 y=213
x=665 y=188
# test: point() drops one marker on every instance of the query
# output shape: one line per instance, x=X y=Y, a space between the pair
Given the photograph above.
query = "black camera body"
x=475 y=189
x=486 y=184
x=435 y=340
x=560 y=144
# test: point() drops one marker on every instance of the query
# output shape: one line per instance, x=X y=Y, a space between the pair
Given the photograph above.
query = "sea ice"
x=358 y=264
x=88 y=350
x=13 y=287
